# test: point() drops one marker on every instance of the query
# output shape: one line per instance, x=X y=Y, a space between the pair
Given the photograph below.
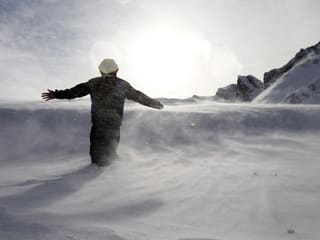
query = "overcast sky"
x=166 y=48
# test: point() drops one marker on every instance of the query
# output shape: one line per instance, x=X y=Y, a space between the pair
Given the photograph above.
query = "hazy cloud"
x=56 y=44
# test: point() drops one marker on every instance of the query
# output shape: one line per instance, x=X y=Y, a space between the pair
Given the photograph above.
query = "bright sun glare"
x=165 y=57
x=169 y=63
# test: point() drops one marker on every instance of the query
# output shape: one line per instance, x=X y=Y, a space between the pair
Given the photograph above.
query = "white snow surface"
x=296 y=81
x=199 y=171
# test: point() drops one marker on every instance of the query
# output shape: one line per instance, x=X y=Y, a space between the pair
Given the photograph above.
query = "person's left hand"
x=48 y=95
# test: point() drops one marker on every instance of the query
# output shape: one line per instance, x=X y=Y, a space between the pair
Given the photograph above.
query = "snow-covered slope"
x=296 y=82
x=199 y=171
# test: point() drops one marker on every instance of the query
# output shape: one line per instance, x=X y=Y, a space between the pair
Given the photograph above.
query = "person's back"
x=108 y=94
x=107 y=97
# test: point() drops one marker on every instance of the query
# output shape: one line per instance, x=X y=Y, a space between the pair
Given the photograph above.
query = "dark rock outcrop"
x=246 y=89
x=228 y=93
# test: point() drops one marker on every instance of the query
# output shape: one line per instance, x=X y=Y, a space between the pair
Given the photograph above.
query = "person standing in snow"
x=108 y=94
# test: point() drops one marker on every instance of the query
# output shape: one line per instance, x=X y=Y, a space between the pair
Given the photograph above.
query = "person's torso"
x=108 y=96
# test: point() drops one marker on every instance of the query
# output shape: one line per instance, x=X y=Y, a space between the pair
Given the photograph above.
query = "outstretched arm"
x=143 y=99
x=80 y=90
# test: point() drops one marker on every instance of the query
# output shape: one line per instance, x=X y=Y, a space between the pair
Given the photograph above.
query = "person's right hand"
x=48 y=95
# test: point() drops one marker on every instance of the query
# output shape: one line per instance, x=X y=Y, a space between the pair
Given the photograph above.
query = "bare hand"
x=48 y=95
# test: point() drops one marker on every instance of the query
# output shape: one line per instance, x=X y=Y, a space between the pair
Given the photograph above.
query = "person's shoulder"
x=95 y=80
x=123 y=82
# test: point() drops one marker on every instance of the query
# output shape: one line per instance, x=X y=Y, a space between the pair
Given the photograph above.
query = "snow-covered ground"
x=200 y=171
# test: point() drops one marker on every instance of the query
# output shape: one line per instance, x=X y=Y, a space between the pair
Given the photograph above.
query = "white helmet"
x=108 y=66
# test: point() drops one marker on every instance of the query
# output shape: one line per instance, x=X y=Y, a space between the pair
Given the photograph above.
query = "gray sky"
x=166 y=48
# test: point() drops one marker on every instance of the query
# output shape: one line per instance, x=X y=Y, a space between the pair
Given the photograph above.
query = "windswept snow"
x=201 y=171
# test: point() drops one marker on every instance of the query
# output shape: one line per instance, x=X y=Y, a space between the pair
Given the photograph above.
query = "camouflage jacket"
x=108 y=94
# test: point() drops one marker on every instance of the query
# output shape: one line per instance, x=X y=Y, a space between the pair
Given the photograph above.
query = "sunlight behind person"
x=168 y=63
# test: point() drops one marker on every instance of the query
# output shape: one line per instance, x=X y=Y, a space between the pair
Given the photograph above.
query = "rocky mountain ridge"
x=297 y=82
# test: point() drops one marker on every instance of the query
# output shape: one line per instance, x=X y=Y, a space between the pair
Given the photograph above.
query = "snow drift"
x=193 y=171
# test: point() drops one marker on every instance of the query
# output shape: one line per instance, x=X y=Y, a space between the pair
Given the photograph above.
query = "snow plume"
x=249 y=171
